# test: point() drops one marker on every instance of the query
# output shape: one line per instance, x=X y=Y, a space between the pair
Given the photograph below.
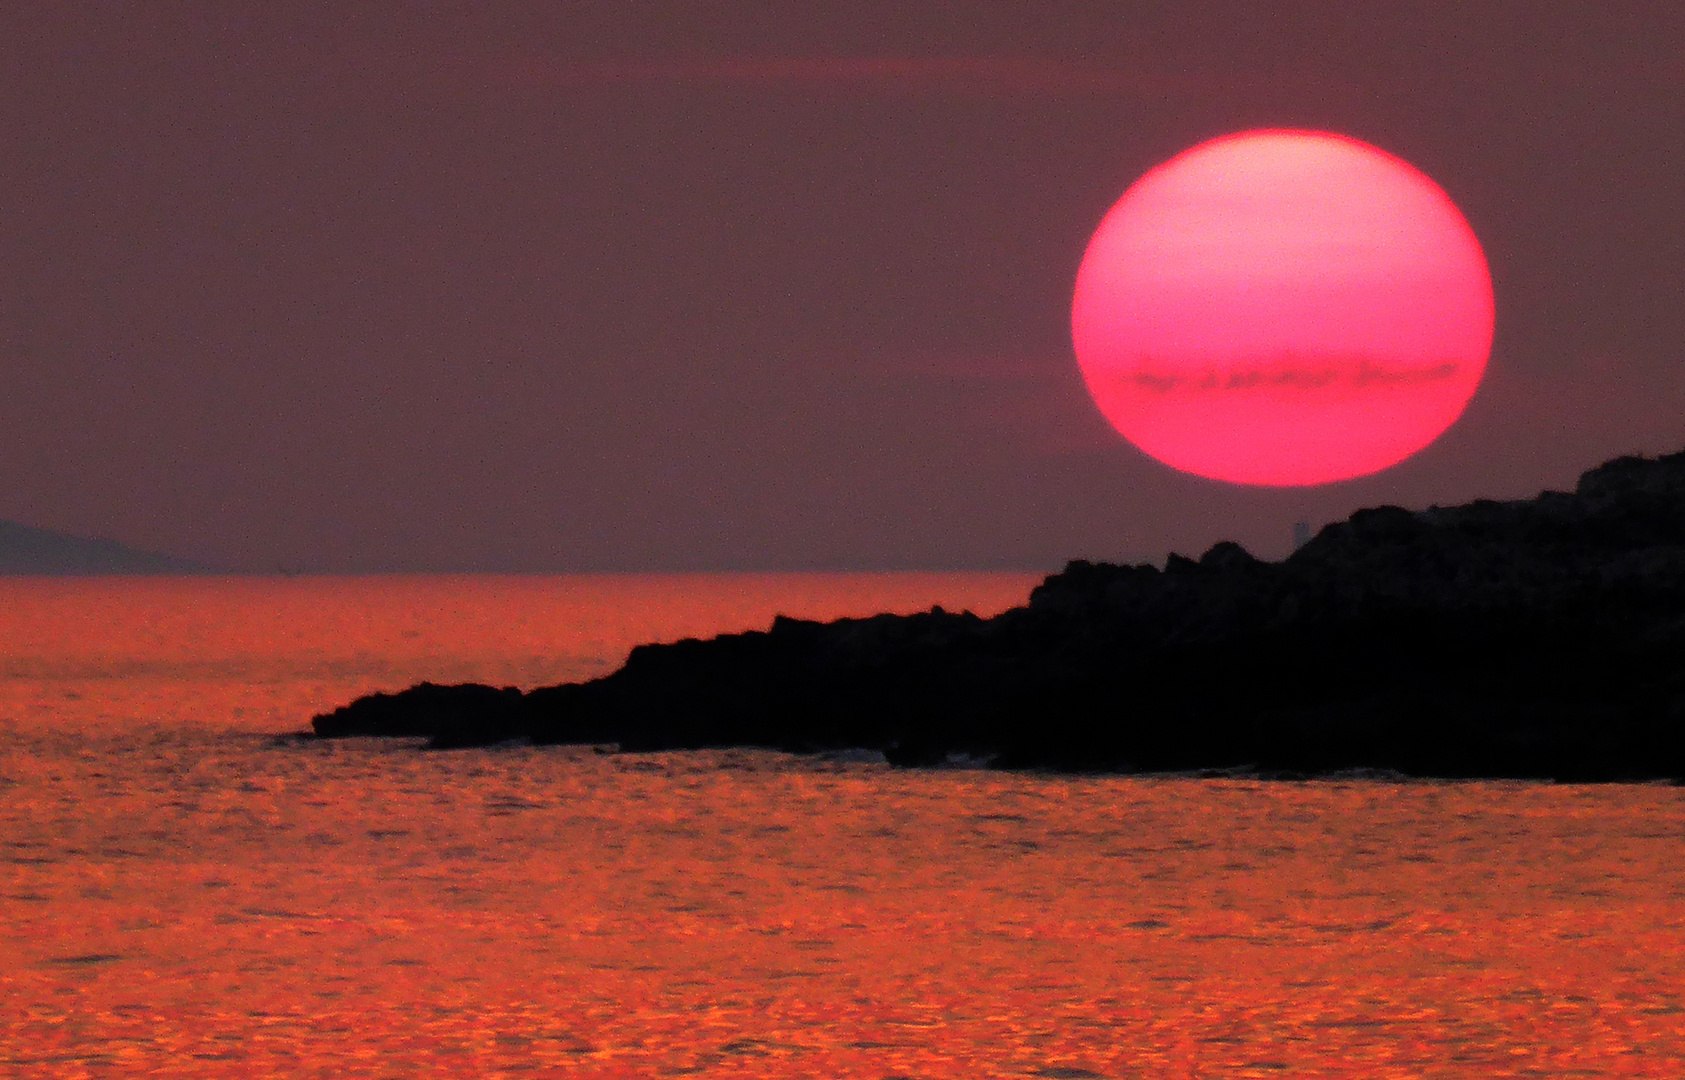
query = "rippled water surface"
x=184 y=895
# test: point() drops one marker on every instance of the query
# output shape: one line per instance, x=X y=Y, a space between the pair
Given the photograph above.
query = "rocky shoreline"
x=1538 y=639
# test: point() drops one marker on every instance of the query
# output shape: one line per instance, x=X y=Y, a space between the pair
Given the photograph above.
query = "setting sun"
x=1283 y=308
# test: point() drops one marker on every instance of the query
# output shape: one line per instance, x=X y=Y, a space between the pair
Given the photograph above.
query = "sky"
x=446 y=286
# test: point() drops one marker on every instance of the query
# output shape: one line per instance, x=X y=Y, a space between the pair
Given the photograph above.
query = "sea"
x=188 y=890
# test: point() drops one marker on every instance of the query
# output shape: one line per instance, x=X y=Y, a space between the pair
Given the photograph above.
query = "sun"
x=1283 y=308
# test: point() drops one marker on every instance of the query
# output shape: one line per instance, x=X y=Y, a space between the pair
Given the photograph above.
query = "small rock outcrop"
x=1542 y=638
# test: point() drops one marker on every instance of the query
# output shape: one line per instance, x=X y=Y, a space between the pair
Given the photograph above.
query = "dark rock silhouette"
x=1533 y=639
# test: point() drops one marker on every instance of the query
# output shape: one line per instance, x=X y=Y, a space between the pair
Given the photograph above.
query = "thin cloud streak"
x=1359 y=373
x=1035 y=402
x=970 y=75
x=986 y=75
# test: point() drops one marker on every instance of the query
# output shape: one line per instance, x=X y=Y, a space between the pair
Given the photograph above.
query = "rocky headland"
x=26 y=550
x=1542 y=638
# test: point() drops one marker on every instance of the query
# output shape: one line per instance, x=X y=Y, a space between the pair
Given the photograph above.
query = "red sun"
x=1283 y=308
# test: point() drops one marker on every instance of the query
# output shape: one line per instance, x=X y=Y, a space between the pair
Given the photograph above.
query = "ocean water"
x=185 y=895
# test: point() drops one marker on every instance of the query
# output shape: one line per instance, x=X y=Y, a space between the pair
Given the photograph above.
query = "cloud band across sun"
x=1335 y=376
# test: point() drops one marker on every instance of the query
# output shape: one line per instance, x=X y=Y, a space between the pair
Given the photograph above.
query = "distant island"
x=1542 y=639
x=28 y=550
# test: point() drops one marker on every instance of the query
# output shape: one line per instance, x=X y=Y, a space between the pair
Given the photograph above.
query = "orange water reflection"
x=263 y=654
x=201 y=902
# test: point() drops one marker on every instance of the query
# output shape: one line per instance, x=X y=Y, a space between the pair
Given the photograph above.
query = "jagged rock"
x=1535 y=638
x=464 y=714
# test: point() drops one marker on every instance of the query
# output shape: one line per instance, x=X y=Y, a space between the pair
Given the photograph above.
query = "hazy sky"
x=695 y=286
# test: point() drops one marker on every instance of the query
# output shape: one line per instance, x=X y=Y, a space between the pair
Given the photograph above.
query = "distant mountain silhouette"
x=28 y=550
x=1540 y=638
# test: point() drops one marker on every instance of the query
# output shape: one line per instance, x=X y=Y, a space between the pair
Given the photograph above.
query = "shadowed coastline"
x=1537 y=639
x=29 y=551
